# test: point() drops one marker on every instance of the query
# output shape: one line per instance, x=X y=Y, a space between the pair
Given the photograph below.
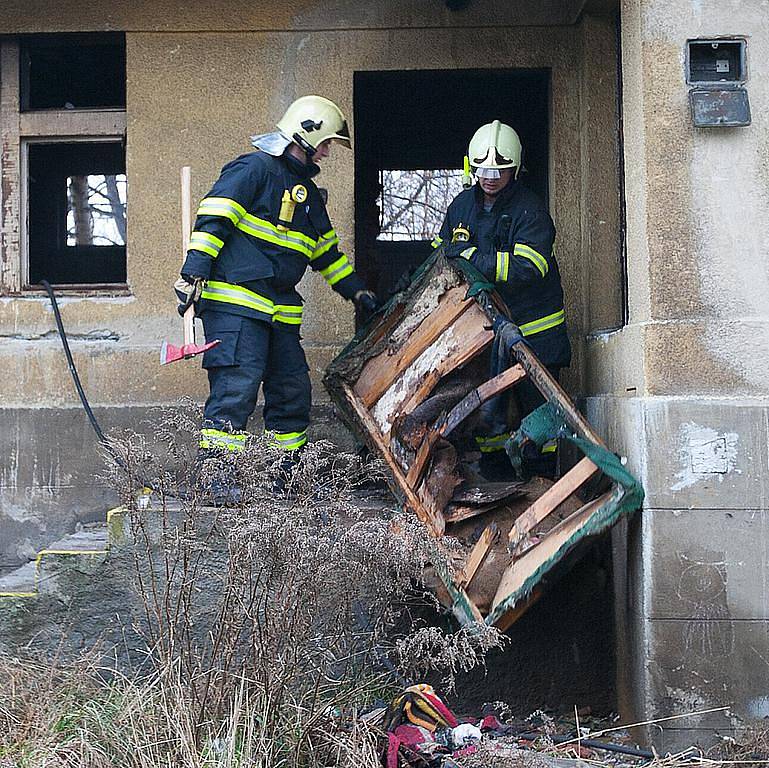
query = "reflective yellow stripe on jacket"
x=337 y=270
x=535 y=257
x=264 y=230
x=325 y=243
x=503 y=266
x=229 y=293
x=543 y=324
x=222 y=206
x=252 y=225
x=203 y=241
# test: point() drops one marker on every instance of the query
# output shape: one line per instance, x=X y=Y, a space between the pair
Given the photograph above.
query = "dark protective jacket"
x=251 y=265
x=513 y=247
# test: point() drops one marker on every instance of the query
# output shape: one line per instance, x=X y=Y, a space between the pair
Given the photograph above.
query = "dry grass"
x=268 y=626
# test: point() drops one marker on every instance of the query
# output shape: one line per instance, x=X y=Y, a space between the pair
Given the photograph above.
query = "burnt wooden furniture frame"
x=400 y=374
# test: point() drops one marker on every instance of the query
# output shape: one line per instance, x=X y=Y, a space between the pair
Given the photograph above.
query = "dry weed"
x=268 y=625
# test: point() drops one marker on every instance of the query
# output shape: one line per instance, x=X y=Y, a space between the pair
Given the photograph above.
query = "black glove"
x=507 y=331
x=366 y=303
x=459 y=250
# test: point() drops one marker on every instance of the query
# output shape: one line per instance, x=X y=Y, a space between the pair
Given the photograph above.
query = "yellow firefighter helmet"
x=311 y=120
x=494 y=146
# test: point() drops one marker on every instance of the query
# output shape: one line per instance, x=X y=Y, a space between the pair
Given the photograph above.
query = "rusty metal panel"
x=720 y=108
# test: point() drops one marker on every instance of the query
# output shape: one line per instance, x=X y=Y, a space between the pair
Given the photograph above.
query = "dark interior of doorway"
x=423 y=120
x=562 y=652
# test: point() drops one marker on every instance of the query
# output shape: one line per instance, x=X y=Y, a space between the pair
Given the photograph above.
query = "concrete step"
x=20 y=582
x=33 y=577
x=93 y=537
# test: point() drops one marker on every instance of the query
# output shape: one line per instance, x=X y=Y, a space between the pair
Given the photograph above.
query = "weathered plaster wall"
x=683 y=388
x=195 y=98
x=200 y=81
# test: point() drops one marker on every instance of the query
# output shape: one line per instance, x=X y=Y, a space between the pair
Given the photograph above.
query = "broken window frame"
x=17 y=130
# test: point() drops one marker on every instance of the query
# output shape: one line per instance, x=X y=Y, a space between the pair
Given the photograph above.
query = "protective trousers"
x=253 y=353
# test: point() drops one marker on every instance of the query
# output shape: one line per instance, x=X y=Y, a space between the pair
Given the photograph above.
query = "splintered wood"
x=412 y=388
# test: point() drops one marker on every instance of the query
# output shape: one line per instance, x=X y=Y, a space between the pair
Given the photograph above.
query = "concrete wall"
x=200 y=81
x=683 y=388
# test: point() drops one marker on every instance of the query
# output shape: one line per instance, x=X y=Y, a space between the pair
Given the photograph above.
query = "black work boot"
x=281 y=485
x=217 y=477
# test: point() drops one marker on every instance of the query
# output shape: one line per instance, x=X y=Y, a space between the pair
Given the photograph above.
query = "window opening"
x=397 y=150
x=77 y=212
x=412 y=204
x=96 y=206
x=72 y=72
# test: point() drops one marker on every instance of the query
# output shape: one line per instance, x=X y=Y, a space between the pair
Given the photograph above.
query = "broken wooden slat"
x=423 y=454
x=519 y=570
x=432 y=519
x=381 y=371
x=438 y=487
x=480 y=395
x=476 y=345
x=553 y=392
x=478 y=555
x=486 y=493
x=456 y=514
x=459 y=413
x=510 y=617
x=551 y=499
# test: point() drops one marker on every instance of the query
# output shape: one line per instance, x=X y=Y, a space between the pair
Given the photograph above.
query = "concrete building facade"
x=662 y=244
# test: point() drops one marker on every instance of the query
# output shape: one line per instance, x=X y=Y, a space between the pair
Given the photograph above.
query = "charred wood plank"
x=380 y=372
x=480 y=395
x=474 y=346
x=549 y=501
x=433 y=519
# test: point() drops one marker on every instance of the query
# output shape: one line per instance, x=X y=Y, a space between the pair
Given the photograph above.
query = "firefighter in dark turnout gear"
x=256 y=232
x=504 y=230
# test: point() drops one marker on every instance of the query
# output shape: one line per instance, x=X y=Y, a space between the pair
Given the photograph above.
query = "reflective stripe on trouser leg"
x=493 y=443
x=551 y=446
x=218 y=439
x=286 y=390
x=287 y=441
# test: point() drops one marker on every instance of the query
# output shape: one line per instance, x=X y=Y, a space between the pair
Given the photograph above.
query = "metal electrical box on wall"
x=716 y=69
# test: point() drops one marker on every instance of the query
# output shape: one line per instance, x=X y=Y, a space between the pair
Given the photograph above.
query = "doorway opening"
x=412 y=129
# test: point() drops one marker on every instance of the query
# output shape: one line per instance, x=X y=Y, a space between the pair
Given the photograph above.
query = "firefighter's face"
x=493 y=187
x=323 y=150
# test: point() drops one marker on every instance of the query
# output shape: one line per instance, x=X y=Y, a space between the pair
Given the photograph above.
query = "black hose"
x=591 y=744
x=72 y=369
x=76 y=378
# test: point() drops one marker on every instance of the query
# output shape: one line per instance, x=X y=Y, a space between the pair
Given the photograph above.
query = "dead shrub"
x=268 y=625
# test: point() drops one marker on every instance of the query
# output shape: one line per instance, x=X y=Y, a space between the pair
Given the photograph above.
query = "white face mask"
x=487 y=173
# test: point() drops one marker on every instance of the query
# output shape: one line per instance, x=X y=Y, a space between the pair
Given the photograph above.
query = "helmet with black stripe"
x=311 y=120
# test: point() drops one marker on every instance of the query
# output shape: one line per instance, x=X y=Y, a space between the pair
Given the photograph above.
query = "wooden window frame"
x=17 y=131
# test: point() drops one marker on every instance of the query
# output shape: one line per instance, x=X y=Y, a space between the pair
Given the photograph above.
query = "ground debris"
x=422 y=733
